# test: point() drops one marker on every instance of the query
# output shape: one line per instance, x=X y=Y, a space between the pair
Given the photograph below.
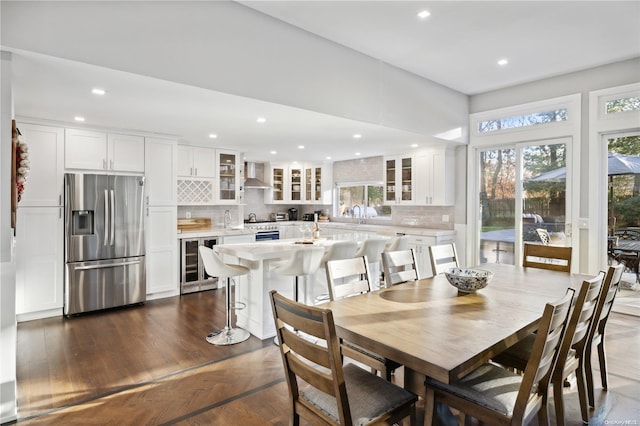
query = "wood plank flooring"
x=150 y=365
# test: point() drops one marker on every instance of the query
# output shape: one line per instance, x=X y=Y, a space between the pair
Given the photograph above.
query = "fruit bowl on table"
x=468 y=280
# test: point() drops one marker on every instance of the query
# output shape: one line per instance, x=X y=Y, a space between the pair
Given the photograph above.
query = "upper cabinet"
x=208 y=176
x=229 y=177
x=160 y=172
x=399 y=180
x=195 y=161
x=46 y=163
x=317 y=184
x=298 y=184
x=435 y=177
x=93 y=150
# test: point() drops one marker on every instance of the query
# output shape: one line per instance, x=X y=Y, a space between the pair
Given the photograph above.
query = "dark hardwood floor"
x=151 y=365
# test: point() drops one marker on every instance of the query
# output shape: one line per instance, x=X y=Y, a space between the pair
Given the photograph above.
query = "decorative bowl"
x=468 y=280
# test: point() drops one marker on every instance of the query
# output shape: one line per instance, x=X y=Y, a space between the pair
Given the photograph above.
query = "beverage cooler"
x=192 y=274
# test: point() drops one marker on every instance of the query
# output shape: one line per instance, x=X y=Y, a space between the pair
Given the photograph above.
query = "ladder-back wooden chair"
x=321 y=389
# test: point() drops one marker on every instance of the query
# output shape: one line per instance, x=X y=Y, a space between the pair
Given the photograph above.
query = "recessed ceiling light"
x=424 y=14
x=98 y=91
x=414 y=145
x=503 y=62
x=261 y=120
x=357 y=136
x=357 y=153
x=328 y=158
x=274 y=152
x=78 y=118
x=212 y=136
x=300 y=146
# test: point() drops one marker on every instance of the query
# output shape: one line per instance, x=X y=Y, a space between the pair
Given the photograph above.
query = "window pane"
x=522 y=120
x=623 y=105
x=497 y=206
x=544 y=197
x=352 y=201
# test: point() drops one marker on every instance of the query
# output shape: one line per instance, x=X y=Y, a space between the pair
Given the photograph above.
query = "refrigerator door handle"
x=107 y=222
x=112 y=204
x=110 y=265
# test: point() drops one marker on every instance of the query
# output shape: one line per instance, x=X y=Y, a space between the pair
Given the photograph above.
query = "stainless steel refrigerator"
x=104 y=242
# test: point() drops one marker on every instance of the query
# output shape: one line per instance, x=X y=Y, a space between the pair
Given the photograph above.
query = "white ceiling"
x=457 y=46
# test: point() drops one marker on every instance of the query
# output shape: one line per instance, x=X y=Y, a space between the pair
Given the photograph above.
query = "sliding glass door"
x=522 y=197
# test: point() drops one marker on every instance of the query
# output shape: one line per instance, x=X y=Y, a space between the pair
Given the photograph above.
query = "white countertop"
x=215 y=232
x=277 y=249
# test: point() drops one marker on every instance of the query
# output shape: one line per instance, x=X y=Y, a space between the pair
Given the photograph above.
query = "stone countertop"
x=387 y=230
x=216 y=232
x=277 y=249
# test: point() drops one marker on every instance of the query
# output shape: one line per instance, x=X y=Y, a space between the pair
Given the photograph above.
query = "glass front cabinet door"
x=228 y=177
x=399 y=180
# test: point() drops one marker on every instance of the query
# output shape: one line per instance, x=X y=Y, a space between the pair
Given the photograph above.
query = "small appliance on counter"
x=308 y=217
x=277 y=217
x=293 y=214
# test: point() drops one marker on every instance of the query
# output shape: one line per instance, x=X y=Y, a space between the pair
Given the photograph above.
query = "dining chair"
x=321 y=389
x=497 y=396
x=596 y=334
x=443 y=257
x=215 y=267
x=347 y=278
x=338 y=250
x=571 y=353
x=555 y=258
x=544 y=236
x=399 y=266
x=371 y=248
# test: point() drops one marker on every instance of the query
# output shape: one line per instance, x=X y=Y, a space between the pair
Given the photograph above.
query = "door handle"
x=107 y=224
x=111 y=265
x=113 y=217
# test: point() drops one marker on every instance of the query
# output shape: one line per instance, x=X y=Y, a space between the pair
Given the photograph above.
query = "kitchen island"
x=253 y=289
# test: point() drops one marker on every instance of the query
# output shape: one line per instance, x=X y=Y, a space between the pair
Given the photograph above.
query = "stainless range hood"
x=251 y=181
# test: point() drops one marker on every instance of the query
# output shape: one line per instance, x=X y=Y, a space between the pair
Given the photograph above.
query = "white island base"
x=253 y=289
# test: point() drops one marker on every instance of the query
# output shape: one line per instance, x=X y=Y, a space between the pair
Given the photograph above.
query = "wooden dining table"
x=434 y=331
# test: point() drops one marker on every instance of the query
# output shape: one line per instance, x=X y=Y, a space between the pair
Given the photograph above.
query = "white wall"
x=227 y=47
x=7 y=266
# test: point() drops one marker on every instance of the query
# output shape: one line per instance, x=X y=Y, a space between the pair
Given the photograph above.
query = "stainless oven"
x=192 y=274
x=265 y=231
x=272 y=234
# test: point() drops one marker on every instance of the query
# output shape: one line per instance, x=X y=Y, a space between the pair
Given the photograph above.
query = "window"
x=523 y=120
x=361 y=200
x=622 y=105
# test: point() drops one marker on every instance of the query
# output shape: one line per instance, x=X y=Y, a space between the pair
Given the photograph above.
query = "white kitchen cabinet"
x=296 y=184
x=229 y=177
x=435 y=177
x=317 y=184
x=44 y=186
x=125 y=153
x=196 y=161
x=39 y=262
x=399 y=180
x=161 y=248
x=277 y=176
x=160 y=175
x=93 y=150
x=161 y=218
x=420 y=246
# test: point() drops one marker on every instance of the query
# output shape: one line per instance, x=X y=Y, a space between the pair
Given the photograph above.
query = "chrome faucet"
x=227 y=219
x=359 y=213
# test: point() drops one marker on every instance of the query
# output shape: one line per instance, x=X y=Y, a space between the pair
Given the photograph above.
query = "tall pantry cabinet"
x=40 y=225
x=161 y=216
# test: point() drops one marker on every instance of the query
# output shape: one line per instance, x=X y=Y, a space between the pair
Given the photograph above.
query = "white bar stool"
x=303 y=263
x=372 y=249
x=215 y=267
x=337 y=251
